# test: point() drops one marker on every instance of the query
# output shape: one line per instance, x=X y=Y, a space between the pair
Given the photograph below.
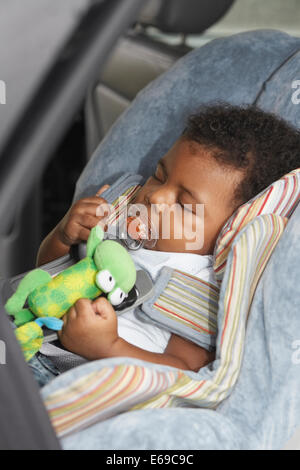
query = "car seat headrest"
x=176 y=16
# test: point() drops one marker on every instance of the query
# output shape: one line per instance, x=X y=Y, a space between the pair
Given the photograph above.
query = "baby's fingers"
x=88 y=221
x=102 y=189
x=89 y=202
x=103 y=308
x=95 y=206
x=84 y=234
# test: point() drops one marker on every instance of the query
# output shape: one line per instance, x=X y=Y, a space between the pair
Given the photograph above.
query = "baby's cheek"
x=193 y=231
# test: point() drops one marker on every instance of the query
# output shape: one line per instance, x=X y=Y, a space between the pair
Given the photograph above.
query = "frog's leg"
x=31 y=281
x=30 y=337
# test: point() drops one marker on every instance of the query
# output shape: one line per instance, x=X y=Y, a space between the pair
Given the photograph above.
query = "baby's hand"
x=90 y=328
x=82 y=217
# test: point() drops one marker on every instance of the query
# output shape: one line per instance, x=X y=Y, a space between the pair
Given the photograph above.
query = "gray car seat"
x=139 y=58
x=256 y=67
x=240 y=71
x=135 y=62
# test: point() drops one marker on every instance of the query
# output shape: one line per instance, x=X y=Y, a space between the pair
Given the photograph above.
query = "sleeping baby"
x=225 y=156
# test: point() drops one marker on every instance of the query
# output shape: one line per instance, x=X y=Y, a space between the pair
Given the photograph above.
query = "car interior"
x=74 y=103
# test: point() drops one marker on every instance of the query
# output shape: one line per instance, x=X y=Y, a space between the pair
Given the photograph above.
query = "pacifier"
x=136 y=230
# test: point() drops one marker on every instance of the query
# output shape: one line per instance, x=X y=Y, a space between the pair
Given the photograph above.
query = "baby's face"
x=189 y=198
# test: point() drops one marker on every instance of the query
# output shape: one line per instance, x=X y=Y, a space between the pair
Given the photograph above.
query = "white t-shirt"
x=146 y=335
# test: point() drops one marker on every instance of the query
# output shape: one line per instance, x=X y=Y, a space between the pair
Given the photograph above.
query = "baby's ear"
x=96 y=236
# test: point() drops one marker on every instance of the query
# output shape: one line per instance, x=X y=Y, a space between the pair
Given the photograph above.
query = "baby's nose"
x=162 y=196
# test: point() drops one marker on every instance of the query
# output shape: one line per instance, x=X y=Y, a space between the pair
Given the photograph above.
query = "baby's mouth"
x=141 y=229
x=136 y=229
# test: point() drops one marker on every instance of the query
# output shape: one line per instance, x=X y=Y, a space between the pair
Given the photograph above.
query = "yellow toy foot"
x=30 y=337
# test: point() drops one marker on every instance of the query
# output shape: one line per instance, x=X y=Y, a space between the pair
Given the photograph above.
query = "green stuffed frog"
x=107 y=268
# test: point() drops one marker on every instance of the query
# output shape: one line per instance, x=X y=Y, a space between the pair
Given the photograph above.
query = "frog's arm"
x=31 y=281
x=96 y=237
x=23 y=316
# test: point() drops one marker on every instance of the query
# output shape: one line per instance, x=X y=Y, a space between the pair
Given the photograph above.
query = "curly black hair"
x=263 y=144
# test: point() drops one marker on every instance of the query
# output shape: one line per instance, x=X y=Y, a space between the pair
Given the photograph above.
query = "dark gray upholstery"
x=178 y=16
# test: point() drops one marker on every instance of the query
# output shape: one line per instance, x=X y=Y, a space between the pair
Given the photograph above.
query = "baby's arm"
x=179 y=353
x=90 y=330
x=72 y=229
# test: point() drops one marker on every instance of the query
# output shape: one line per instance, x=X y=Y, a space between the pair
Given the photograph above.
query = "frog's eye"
x=117 y=296
x=105 y=280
